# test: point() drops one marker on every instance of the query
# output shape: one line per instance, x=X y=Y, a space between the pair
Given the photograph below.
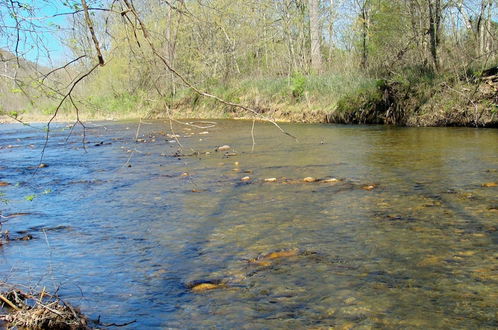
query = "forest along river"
x=406 y=237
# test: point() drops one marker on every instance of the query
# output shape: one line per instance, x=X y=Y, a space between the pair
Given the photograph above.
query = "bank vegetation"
x=401 y=62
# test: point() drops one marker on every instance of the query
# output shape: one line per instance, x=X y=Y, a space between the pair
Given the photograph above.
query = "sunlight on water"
x=406 y=237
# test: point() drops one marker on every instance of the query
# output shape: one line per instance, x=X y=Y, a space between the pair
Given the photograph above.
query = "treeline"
x=387 y=61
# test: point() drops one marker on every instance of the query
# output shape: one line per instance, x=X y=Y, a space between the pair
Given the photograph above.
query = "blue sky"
x=42 y=32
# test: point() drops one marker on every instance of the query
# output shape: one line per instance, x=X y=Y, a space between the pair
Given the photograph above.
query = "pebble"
x=223 y=148
x=350 y=301
x=246 y=178
x=271 y=180
x=369 y=187
x=309 y=179
x=205 y=287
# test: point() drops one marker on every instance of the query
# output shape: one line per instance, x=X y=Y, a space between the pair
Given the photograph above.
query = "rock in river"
x=223 y=148
x=202 y=286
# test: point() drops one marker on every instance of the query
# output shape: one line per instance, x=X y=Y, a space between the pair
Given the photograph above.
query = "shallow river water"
x=407 y=237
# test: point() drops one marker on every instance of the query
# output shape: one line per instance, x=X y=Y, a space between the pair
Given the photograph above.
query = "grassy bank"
x=411 y=98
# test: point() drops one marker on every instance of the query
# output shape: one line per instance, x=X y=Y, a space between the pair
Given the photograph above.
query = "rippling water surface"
x=419 y=250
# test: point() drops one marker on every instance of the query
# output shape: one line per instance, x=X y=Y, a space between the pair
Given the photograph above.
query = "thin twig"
x=8 y=302
x=67 y=95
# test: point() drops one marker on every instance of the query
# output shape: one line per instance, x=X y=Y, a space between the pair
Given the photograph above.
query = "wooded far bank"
x=401 y=62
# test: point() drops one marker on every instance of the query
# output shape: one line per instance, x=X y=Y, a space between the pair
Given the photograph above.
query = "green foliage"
x=298 y=85
x=414 y=75
x=366 y=97
x=124 y=102
x=48 y=110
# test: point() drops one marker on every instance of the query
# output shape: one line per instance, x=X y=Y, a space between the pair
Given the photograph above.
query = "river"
x=405 y=236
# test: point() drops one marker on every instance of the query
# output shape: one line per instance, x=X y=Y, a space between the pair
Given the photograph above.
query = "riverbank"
x=411 y=99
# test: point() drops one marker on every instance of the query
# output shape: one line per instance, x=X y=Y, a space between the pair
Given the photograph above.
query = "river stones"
x=27 y=237
x=369 y=187
x=3 y=183
x=430 y=261
x=245 y=179
x=490 y=184
x=223 y=148
x=206 y=285
x=271 y=180
x=17 y=214
x=309 y=179
x=267 y=259
x=42 y=165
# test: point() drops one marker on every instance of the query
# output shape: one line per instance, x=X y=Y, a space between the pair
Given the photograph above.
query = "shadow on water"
x=417 y=249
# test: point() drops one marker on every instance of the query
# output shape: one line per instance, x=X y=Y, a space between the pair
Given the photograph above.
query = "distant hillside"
x=18 y=81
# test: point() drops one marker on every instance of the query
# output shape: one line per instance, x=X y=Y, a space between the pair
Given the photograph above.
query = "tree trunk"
x=316 y=55
x=331 y=30
x=434 y=30
x=364 y=34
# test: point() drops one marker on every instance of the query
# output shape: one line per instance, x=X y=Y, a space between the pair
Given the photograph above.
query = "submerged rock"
x=430 y=261
x=267 y=259
x=310 y=179
x=3 y=184
x=271 y=180
x=245 y=179
x=223 y=148
x=206 y=285
x=369 y=187
x=490 y=184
